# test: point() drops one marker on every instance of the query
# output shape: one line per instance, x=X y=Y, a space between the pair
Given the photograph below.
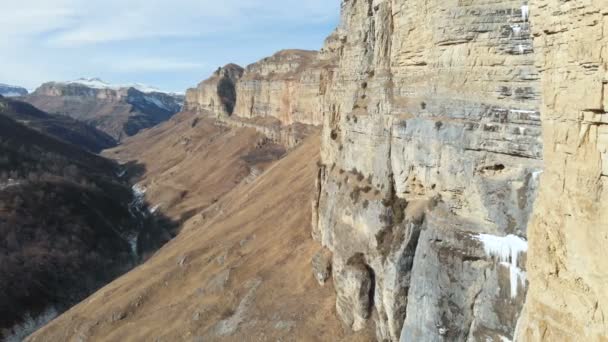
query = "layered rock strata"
x=430 y=161
x=216 y=94
x=289 y=86
x=281 y=96
x=568 y=300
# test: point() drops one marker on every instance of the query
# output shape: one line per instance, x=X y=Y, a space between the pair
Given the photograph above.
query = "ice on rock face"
x=133 y=243
x=536 y=174
x=507 y=250
x=516 y=30
x=156 y=102
x=525 y=12
x=154 y=209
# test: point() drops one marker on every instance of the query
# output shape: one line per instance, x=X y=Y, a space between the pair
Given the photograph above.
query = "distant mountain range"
x=97 y=83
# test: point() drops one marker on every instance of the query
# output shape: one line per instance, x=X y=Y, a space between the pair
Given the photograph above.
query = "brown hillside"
x=240 y=271
x=191 y=161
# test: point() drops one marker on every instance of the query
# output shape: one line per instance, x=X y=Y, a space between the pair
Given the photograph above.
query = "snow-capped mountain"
x=11 y=91
x=97 y=83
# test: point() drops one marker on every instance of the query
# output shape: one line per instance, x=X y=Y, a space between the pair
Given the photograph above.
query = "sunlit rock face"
x=567 y=269
x=431 y=158
x=289 y=86
x=216 y=94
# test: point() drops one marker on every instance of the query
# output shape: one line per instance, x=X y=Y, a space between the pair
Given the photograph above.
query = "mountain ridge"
x=119 y=112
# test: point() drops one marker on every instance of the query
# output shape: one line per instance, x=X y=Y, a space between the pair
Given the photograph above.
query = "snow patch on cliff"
x=97 y=83
x=507 y=250
x=525 y=12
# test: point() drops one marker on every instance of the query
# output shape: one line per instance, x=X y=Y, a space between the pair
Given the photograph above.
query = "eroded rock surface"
x=431 y=140
x=289 y=86
x=216 y=94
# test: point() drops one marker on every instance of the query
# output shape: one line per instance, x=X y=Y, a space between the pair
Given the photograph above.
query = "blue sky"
x=168 y=44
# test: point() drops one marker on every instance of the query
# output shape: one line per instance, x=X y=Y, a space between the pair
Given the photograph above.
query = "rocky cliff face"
x=117 y=110
x=289 y=86
x=568 y=300
x=216 y=94
x=430 y=162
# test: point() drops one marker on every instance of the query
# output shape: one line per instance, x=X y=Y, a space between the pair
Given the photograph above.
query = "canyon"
x=435 y=172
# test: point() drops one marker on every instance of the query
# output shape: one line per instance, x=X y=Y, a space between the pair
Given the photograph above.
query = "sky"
x=169 y=44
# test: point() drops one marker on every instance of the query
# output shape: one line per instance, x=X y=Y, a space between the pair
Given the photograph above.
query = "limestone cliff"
x=289 y=86
x=281 y=96
x=286 y=86
x=568 y=300
x=430 y=159
x=216 y=94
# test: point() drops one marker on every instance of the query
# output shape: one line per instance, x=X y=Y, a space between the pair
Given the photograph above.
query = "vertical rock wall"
x=430 y=160
x=286 y=86
x=216 y=94
x=289 y=86
x=568 y=297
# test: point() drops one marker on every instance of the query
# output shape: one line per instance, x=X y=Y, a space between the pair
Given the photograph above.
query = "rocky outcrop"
x=216 y=94
x=289 y=86
x=430 y=161
x=568 y=300
x=119 y=111
x=281 y=96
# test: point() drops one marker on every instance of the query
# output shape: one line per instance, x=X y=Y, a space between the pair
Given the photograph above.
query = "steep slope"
x=567 y=266
x=10 y=90
x=67 y=222
x=191 y=161
x=59 y=126
x=119 y=111
x=238 y=271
